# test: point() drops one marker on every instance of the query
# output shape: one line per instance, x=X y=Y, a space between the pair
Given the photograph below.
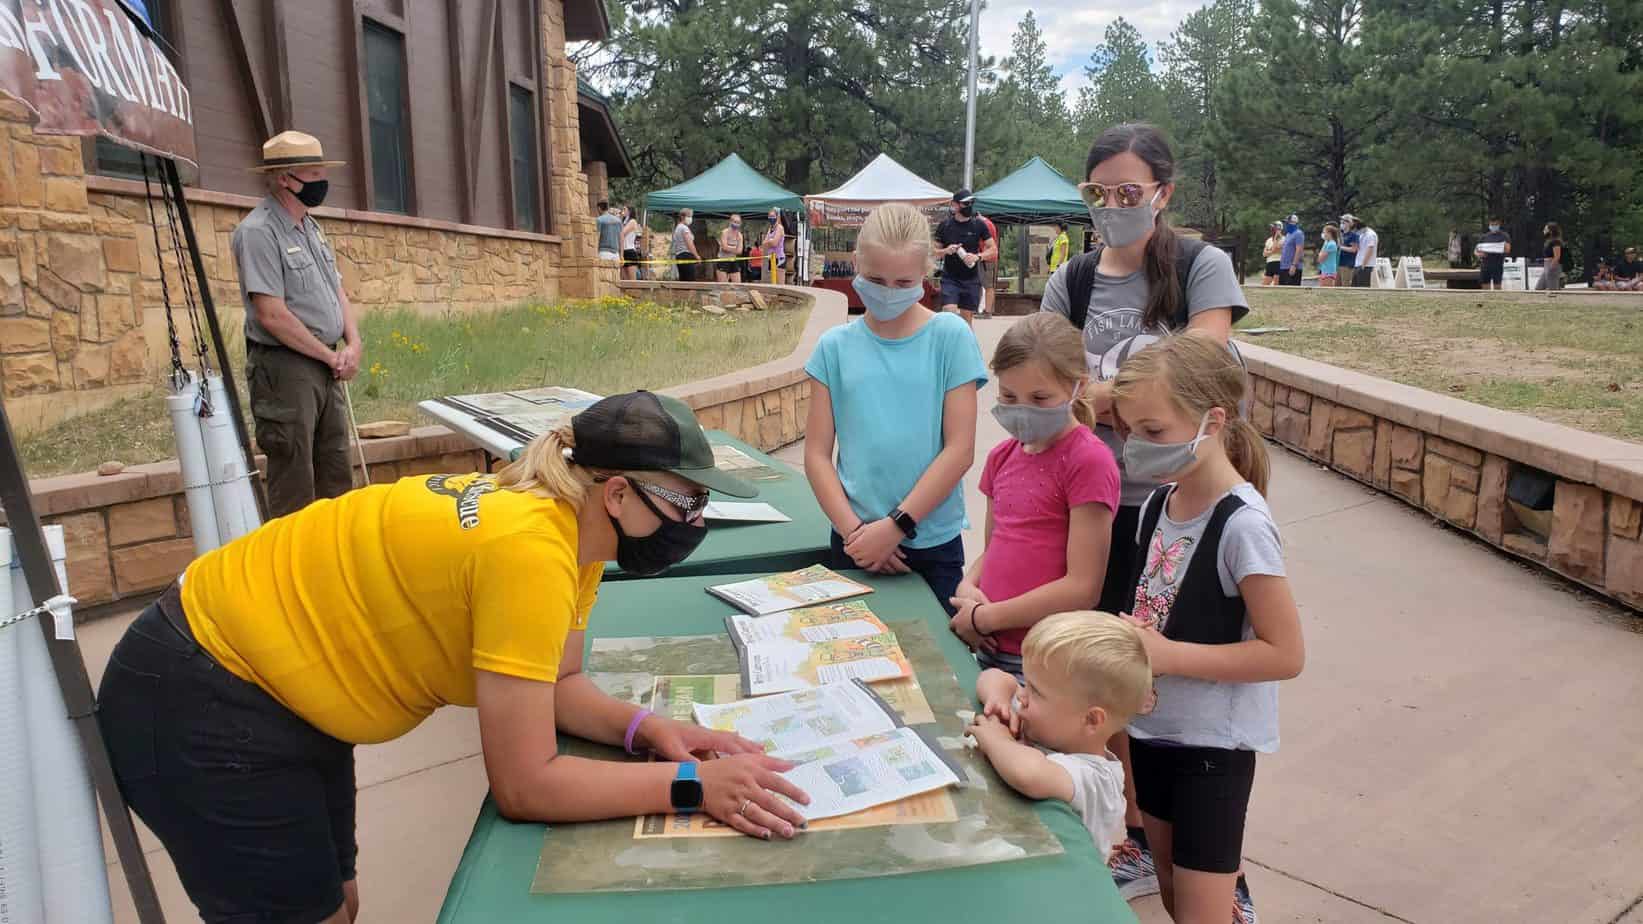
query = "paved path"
x=1465 y=745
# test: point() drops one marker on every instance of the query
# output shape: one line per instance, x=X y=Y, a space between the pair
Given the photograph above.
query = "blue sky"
x=1071 y=32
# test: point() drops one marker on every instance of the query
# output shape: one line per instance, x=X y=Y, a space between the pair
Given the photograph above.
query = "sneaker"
x=1132 y=870
x=1243 y=907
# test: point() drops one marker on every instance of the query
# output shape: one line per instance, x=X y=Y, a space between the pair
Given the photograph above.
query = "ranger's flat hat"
x=291 y=149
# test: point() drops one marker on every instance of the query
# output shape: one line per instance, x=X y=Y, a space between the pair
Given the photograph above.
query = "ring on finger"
x=743 y=809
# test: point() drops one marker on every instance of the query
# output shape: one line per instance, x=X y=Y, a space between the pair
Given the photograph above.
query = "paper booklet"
x=725 y=511
x=813 y=646
x=852 y=750
x=777 y=592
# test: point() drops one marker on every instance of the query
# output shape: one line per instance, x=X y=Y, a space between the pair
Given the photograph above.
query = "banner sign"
x=85 y=67
x=831 y=215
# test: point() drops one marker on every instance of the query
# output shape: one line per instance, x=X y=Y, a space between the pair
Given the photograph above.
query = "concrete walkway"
x=1465 y=745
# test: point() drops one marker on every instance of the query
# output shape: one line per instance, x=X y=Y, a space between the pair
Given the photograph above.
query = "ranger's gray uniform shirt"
x=279 y=257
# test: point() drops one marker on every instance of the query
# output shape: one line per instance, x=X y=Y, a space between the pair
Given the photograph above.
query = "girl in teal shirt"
x=1329 y=257
x=896 y=391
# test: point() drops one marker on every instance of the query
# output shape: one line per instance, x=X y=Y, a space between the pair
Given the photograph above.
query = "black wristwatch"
x=905 y=522
x=686 y=791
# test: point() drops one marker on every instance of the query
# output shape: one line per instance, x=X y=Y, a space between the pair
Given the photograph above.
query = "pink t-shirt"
x=1033 y=497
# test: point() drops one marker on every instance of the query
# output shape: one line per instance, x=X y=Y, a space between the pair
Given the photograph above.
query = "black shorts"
x=631 y=258
x=254 y=805
x=1361 y=276
x=1272 y=267
x=1120 y=580
x=1491 y=272
x=1203 y=793
x=1290 y=277
x=965 y=293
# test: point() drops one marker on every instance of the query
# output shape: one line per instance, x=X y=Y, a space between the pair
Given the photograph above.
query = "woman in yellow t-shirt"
x=232 y=705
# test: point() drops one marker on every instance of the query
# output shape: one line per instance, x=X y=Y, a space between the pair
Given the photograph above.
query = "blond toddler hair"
x=1096 y=656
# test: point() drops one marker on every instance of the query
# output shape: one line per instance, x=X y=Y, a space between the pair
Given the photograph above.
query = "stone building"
x=473 y=161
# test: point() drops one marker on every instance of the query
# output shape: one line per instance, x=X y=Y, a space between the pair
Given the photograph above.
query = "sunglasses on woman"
x=691 y=505
x=1123 y=195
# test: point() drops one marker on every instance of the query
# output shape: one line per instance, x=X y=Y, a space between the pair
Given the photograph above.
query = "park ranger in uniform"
x=301 y=332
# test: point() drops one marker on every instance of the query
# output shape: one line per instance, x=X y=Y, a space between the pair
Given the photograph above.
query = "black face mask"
x=650 y=555
x=966 y=210
x=312 y=192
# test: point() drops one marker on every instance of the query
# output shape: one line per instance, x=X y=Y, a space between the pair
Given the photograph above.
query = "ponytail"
x=1247 y=451
x=1164 y=295
x=543 y=469
x=1084 y=403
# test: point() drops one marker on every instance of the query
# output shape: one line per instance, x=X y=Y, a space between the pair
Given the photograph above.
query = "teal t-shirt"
x=887 y=406
x=1329 y=260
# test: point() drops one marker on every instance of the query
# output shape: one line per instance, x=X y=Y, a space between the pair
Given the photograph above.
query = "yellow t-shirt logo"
x=467 y=499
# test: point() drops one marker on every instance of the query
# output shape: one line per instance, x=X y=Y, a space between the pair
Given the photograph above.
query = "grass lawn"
x=1576 y=360
x=604 y=345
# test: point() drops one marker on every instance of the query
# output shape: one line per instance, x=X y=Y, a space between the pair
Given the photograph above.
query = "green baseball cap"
x=642 y=431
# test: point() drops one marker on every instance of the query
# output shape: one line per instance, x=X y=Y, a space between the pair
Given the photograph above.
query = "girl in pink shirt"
x=1051 y=492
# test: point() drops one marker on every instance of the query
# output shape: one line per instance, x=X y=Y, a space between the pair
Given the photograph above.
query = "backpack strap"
x=1202 y=612
x=1081 y=279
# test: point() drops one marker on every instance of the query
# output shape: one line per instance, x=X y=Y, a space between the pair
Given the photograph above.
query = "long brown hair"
x=1164 y=296
x=1051 y=339
x=1200 y=373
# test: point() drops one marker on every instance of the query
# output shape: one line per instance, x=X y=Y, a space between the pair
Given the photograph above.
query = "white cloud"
x=1071 y=34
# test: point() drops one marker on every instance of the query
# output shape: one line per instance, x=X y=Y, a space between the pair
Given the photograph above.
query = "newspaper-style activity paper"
x=815 y=645
x=884 y=769
x=775 y=593
x=804 y=720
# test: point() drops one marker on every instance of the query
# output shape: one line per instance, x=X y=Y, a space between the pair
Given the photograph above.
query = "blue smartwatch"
x=686 y=792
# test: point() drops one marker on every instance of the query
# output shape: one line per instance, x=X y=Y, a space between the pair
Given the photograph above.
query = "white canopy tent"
x=882 y=180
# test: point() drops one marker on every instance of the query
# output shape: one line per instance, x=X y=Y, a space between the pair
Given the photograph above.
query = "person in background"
x=1551 y=262
x=1293 y=252
x=963 y=241
x=1086 y=676
x=731 y=244
x=1141 y=282
x=630 y=243
x=896 y=391
x=1051 y=489
x=609 y=224
x=684 y=247
x=1329 y=256
x=1492 y=259
x=1349 y=252
x=302 y=336
x=1369 y=250
x=1060 y=247
x=1627 y=270
x=1270 y=252
x=1219 y=637
x=989 y=270
x=775 y=247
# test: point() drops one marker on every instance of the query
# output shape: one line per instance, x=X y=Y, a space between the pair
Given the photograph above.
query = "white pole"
x=185 y=425
x=970 y=105
x=359 y=446
x=23 y=896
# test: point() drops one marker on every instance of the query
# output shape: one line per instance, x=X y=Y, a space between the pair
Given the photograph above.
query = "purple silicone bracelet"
x=633 y=728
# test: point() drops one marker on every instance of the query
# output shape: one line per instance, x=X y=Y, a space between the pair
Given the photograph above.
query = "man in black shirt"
x=1492 y=250
x=963 y=242
x=1627 y=267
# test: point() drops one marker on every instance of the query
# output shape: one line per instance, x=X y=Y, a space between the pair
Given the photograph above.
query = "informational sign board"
x=1383 y=277
x=1411 y=274
x=1533 y=280
x=1512 y=275
x=89 y=68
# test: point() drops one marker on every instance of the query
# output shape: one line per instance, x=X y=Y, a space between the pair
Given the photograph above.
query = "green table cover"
x=492 y=882
x=738 y=548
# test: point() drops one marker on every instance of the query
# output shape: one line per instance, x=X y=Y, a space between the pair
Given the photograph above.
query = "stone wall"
x=1453 y=459
x=128 y=533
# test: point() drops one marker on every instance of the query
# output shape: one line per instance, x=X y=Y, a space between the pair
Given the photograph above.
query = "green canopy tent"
x=1036 y=193
x=728 y=187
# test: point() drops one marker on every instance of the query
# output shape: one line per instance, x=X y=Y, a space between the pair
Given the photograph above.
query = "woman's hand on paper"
x=741 y=792
x=678 y=741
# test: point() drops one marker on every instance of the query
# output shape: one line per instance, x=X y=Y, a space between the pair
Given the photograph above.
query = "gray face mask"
x=1031 y=424
x=1121 y=227
x=1144 y=458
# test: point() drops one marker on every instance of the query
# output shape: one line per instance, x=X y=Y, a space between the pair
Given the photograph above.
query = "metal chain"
x=179 y=372
x=47 y=607
x=188 y=294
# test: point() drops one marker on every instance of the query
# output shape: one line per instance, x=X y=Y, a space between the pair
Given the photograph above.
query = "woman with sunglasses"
x=1142 y=282
x=232 y=705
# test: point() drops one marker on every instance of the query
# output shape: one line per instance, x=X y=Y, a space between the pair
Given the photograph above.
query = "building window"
x=522 y=144
x=385 y=104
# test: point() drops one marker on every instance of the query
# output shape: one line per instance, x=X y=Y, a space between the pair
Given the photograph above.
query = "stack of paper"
x=813 y=646
x=778 y=592
x=852 y=750
x=730 y=512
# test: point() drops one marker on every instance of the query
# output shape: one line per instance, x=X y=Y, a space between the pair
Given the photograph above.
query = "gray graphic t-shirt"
x=1203 y=713
x=1113 y=328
